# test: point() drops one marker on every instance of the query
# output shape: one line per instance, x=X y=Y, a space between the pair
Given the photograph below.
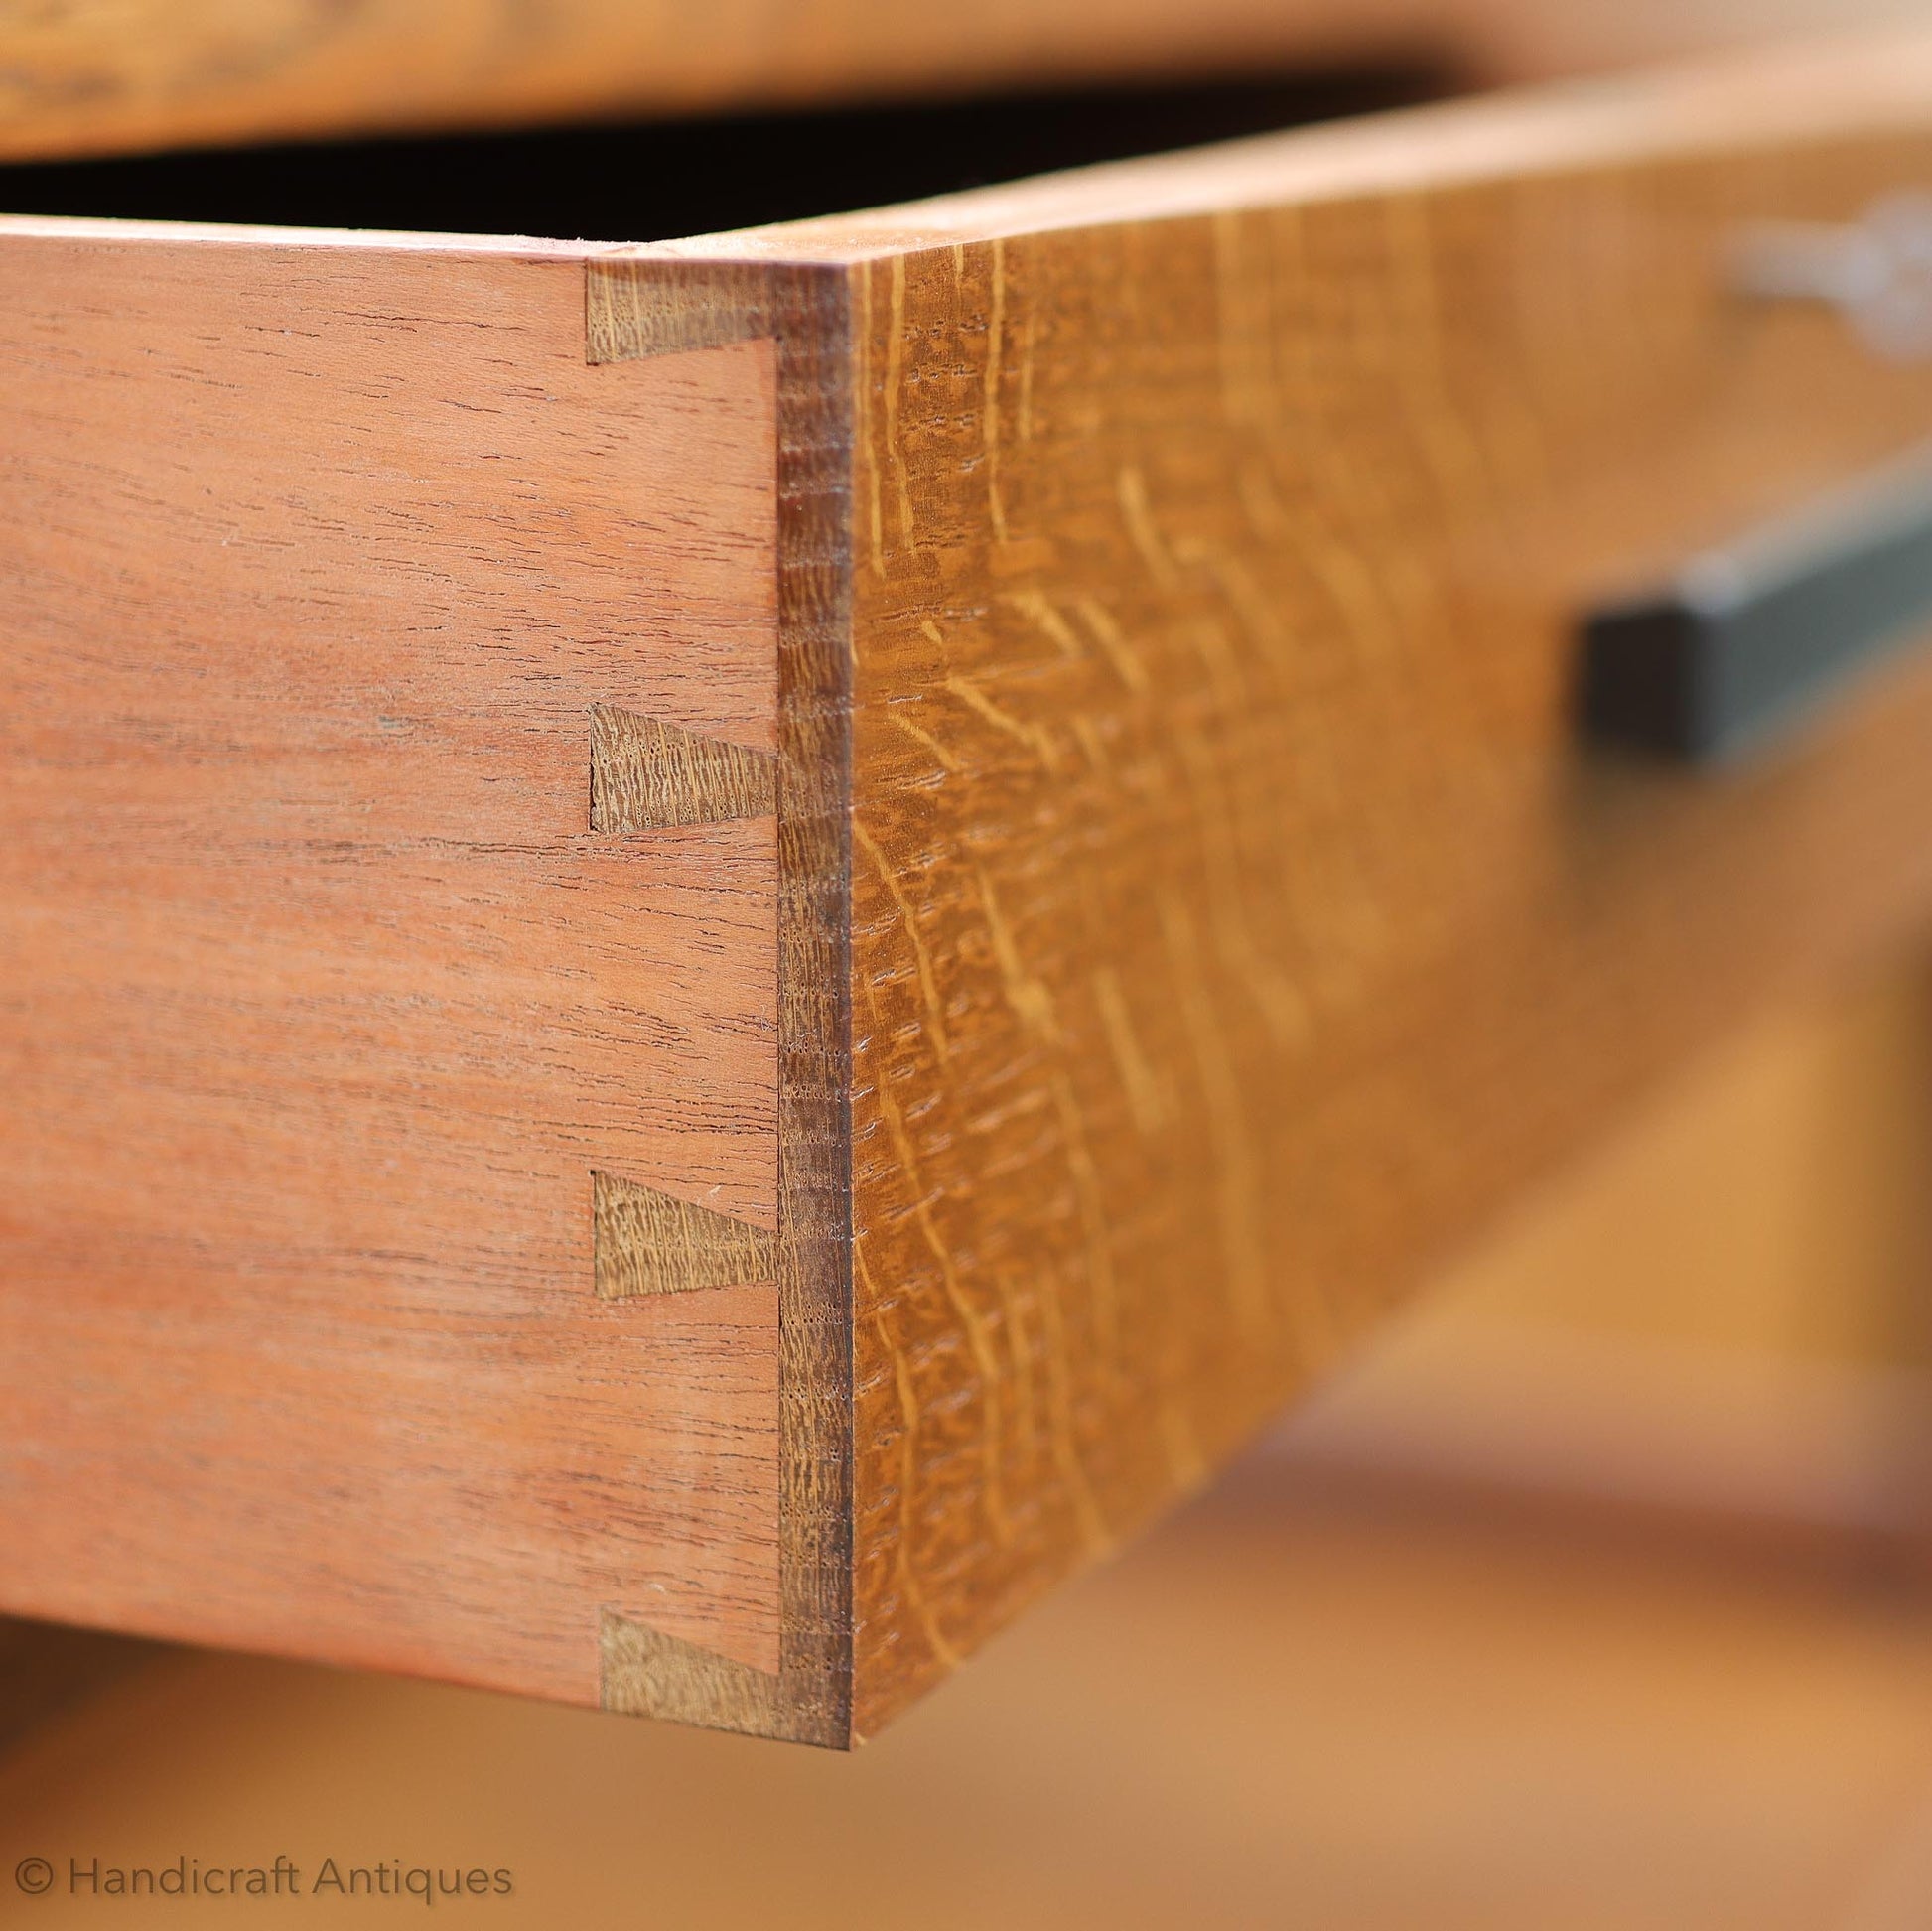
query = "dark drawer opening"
x=653 y=181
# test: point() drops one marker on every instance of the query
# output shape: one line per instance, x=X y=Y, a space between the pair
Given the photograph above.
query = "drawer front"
x=716 y=953
x=1239 y=926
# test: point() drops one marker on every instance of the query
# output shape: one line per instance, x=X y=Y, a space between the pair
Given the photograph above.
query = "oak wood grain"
x=1239 y=929
x=646 y=774
x=646 y=1241
x=322 y=1000
x=801 y=318
x=1236 y=928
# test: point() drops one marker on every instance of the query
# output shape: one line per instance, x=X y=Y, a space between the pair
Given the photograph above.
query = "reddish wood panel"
x=319 y=998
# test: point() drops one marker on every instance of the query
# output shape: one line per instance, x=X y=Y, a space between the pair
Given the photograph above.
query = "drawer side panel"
x=322 y=1000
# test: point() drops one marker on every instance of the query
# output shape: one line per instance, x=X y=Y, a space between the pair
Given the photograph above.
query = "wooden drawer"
x=714 y=954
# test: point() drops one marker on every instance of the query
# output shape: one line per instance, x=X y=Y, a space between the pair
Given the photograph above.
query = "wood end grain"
x=649 y=1674
x=647 y=1242
x=641 y=308
x=646 y=776
x=634 y=308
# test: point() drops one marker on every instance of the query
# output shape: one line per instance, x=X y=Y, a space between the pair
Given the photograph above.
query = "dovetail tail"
x=646 y=774
x=649 y=1674
x=646 y=1242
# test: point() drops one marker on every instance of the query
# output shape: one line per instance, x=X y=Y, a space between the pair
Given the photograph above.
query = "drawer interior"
x=655 y=181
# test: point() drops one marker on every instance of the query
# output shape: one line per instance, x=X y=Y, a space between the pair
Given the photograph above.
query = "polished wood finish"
x=324 y=999
x=1188 y=918
x=647 y=1668
x=1235 y=927
x=1392 y=1668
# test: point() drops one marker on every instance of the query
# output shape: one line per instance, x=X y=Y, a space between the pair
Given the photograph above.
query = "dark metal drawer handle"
x=1746 y=638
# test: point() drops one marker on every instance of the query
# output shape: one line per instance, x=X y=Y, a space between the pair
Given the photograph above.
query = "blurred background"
x=1596 y=1594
